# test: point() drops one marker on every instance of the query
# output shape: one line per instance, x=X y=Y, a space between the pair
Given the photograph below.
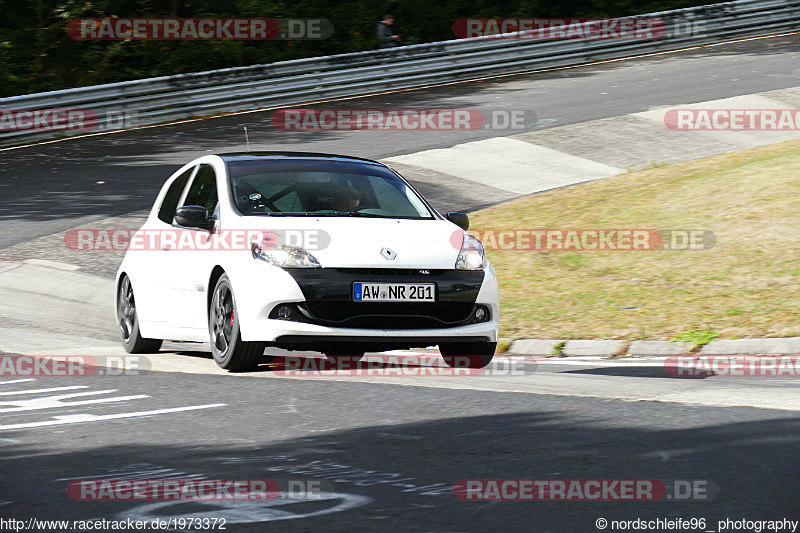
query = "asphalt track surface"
x=53 y=187
x=389 y=453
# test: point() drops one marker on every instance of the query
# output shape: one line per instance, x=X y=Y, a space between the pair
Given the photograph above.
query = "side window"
x=167 y=210
x=203 y=191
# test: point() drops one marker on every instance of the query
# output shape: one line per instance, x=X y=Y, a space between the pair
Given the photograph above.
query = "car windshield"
x=322 y=188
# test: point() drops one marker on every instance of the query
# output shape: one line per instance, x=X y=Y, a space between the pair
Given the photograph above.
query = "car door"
x=192 y=257
x=148 y=260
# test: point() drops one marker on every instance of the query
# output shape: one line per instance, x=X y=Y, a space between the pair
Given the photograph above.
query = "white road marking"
x=49 y=402
x=292 y=405
x=16 y=381
x=37 y=391
x=248 y=512
x=80 y=418
x=57 y=401
x=135 y=471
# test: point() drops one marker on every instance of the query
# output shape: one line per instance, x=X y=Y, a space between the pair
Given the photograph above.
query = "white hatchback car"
x=304 y=251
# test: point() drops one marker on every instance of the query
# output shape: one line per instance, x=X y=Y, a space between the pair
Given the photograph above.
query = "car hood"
x=358 y=241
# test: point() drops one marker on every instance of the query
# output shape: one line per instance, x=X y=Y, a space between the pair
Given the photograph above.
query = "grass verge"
x=747 y=285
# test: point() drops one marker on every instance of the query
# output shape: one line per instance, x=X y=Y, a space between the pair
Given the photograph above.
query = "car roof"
x=250 y=156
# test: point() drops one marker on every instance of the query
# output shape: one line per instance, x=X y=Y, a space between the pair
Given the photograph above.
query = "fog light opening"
x=285 y=312
x=481 y=314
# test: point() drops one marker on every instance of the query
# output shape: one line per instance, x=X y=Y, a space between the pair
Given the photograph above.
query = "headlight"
x=284 y=256
x=471 y=256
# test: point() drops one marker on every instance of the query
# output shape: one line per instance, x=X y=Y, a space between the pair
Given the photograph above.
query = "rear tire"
x=128 y=322
x=468 y=354
x=229 y=350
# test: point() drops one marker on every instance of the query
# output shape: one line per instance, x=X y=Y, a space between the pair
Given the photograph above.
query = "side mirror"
x=192 y=216
x=459 y=219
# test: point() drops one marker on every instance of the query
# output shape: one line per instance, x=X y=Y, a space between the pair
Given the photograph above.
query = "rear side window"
x=167 y=211
x=203 y=191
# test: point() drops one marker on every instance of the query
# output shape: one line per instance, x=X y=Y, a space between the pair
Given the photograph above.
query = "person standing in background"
x=386 y=37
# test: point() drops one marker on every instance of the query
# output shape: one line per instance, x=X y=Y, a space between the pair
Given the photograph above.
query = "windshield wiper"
x=363 y=214
x=323 y=214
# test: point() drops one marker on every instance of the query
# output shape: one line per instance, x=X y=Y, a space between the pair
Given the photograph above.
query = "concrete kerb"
x=652 y=348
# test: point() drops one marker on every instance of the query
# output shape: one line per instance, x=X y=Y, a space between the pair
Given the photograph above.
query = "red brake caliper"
x=232 y=318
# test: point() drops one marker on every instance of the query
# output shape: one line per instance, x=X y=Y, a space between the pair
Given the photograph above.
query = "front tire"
x=128 y=322
x=468 y=354
x=229 y=350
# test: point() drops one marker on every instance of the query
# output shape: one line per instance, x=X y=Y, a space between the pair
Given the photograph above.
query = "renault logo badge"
x=388 y=253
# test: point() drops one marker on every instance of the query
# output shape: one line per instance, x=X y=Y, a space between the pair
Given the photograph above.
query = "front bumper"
x=329 y=299
x=320 y=338
x=326 y=312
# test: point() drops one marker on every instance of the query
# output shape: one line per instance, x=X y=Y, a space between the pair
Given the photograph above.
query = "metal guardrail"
x=170 y=98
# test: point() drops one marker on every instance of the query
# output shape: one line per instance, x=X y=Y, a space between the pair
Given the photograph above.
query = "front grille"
x=388 y=315
x=431 y=273
x=329 y=298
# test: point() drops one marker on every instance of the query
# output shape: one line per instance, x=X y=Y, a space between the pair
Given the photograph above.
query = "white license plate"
x=394 y=292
